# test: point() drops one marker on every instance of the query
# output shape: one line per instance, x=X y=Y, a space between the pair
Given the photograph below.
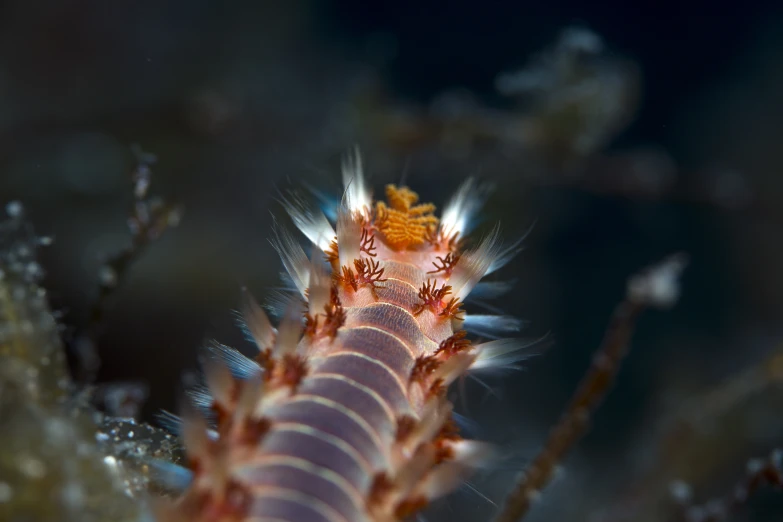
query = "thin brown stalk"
x=657 y=287
x=148 y=219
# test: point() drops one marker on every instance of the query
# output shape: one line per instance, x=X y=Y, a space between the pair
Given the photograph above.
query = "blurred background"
x=619 y=132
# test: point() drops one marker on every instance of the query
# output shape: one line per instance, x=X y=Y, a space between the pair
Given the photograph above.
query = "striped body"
x=331 y=438
x=343 y=416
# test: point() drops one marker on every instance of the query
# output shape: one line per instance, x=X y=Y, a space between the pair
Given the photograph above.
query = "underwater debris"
x=29 y=339
x=60 y=458
x=51 y=465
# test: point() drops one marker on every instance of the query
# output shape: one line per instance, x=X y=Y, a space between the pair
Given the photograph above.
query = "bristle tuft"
x=492 y=326
x=508 y=253
x=357 y=198
x=201 y=398
x=349 y=236
x=194 y=434
x=219 y=381
x=490 y=290
x=454 y=367
x=436 y=412
x=459 y=213
x=504 y=353
x=293 y=257
x=251 y=392
x=504 y=256
x=473 y=265
x=309 y=220
x=255 y=322
x=290 y=330
x=241 y=367
x=320 y=284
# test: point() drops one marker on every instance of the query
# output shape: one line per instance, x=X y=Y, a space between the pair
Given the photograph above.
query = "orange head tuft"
x=404 y=224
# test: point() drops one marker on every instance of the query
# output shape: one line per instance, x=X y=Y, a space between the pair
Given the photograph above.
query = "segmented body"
x=330 y=440
x=342 y=416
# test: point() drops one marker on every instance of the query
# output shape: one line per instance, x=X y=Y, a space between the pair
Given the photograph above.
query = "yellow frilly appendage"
x=404 y=224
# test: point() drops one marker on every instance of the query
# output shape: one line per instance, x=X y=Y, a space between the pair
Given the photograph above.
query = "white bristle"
x=170 y=421
x=454 y=367
x=310 y=221
x=293 y=257
x=241 y=367
x=492 y=326
x=434 y=415
x=357 y=198
x=349 y=235
x=290 y=329
x=473 y=265
x=459 y=213
x=473 y=453
x=201 y=397
x=507 y=254
x=504 y=353
x=249 y=400
x=277 y=300
x=219 y=381
x=468 y=455
x=320 y=286
x=444 y=479
x=173 y=423
x=490 y=289
x=410 y=474
x=194 y=433
x=256 y=323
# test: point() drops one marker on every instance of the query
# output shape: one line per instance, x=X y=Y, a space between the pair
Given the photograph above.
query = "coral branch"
x=655 y=287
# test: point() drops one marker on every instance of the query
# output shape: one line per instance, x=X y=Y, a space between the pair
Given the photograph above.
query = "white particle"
x=14 y=209
x=108 y=276
x=18 y=293
x=754 y=466
x=777 y=458
x=174 y=217
x=73 y=495
x=110 y=462
x=57 y=428
x=5 y=492
x=658 y=286
x=34 y=269
x=32 y=467
x=680 y=491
